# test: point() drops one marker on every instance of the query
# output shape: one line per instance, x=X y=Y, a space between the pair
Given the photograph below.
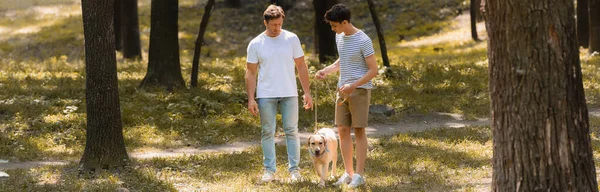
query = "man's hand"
x=320 y=74
x=308 y=101
x=253 y=107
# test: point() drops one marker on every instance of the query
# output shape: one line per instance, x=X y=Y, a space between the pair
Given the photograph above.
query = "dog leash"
x=315 y=104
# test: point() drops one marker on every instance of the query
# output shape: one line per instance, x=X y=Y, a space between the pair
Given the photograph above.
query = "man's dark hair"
x=273 y=12
x=338 y=13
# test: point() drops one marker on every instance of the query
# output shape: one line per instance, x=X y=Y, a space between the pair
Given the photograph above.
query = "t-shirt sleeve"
x=367 y=48
x=251 y=53
x=297 y=47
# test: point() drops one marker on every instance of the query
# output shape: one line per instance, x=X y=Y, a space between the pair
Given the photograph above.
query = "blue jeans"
x=288 y=106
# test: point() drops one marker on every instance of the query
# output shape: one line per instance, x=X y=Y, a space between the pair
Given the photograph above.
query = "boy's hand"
x=347 y=89
x=320 y=74
x=253 y=107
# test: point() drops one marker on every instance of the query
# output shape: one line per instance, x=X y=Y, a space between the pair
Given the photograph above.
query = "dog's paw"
x=322 y=184
x=331 y=178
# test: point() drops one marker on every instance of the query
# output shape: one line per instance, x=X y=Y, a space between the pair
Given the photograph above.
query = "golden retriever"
x=322 y=147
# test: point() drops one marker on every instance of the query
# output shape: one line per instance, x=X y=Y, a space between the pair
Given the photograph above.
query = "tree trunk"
x=164 y=68
x=131 y=30
x=325 y=36
x=233 y=3
x=383 y=47
x=583 y=29
x=104 y=145
x=117 y=19
x=594 y=20
x=474 y=10
x=539 y=116
x=199 y=40
x=285 y=4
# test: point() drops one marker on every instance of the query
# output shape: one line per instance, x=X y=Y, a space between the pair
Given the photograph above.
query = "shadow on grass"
x=437 y=83
x=417 y=166
x=478 y=134
x=66 y=178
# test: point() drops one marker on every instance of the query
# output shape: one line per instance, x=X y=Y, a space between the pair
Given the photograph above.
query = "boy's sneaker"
x=268 y=176
x=295 y=176
x=344 y=179
x=357 y=181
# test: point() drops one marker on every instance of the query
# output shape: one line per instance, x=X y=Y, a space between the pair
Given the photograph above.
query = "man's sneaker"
x=268 y=176
x=295 y=176
x=345 y=179
x=357 y=181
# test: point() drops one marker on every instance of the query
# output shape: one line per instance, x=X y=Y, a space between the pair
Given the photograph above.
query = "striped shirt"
x=353 y=50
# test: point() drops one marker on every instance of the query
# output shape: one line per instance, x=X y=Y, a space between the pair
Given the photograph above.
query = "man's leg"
x=346 y=148
x=268 y=110
x=289 y=116
x=361 y=149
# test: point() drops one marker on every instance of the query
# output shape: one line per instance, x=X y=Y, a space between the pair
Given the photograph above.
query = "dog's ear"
x=324 y=140
x=308 y=140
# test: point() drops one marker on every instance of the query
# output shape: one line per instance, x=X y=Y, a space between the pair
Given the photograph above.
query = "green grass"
x=436 y=160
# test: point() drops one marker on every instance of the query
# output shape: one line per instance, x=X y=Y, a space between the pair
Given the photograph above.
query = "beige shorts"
x=354 y=112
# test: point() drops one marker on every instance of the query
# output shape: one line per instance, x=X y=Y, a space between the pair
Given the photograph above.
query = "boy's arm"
x=371 y=73
x=304 y=81
x=335 y=67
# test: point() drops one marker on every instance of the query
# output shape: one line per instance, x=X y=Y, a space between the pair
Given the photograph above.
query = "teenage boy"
x=357 y=66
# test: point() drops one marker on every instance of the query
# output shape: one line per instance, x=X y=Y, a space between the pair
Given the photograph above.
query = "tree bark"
x=117 y=22
x=199 y=40
x=164 y=68
x=324 y=35
x=131 y=30
x=474 y=10
x=539 y=116
x=383 y=47
x=583 y=29
x=104 y=145
x=594 y=25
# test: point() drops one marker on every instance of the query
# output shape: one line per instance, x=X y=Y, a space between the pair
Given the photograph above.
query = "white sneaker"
x=357 y=181
x=344 y=179
x=268 y=176
x=295 y=176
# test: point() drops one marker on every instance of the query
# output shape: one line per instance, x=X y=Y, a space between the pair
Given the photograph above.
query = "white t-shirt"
x=276 y=67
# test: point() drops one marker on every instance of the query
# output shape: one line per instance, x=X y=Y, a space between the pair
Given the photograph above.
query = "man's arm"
x=251 y=70
x=371 y=73
x=335 y=67
x=304 y=81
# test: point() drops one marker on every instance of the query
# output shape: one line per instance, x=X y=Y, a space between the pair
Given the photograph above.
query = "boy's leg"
x=347 y=148
x=343 y=121
x=361 y=149
x=289 y=116
x=359 y=108
x=268 y=110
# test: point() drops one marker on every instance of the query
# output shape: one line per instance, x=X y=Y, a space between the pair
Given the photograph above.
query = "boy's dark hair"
x=273 y=12
x=338 y=13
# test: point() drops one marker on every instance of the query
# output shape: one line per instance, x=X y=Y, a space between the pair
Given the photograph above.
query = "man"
x=357 y=66
x=273 y=55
